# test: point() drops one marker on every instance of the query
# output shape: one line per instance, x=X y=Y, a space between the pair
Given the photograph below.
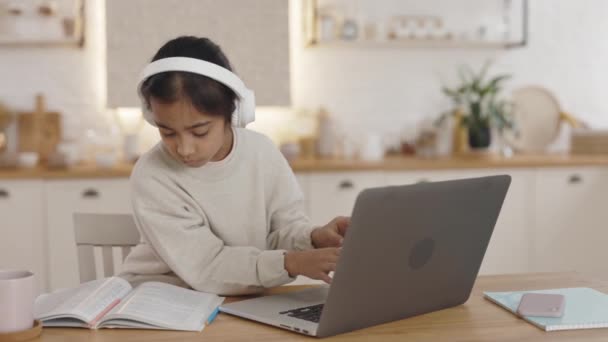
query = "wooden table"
x=476 y=320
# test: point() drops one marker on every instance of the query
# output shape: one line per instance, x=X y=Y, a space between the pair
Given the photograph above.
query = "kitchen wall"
x=72 y=79
x=384 y=89
x=380 y=90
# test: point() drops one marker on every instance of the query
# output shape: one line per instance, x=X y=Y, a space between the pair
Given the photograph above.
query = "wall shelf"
x=32 y=23
x=493 y=24
x=76 y=43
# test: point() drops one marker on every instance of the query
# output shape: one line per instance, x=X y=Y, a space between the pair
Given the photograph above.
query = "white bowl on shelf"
x=27 y=159
x=71 y=153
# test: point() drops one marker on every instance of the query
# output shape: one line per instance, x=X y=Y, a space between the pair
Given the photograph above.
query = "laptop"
x=409 y=250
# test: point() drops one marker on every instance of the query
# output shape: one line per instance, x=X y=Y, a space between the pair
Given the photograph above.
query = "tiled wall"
x=72 y=79
x=385 y=89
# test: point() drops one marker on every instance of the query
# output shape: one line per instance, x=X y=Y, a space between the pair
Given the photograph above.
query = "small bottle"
x=326 y=143
x=350 y=29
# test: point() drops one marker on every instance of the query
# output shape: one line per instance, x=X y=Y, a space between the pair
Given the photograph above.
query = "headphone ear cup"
x=148 y=116
x=236 y=116
x=244 y=112
x=146 y=113
x=247 y=109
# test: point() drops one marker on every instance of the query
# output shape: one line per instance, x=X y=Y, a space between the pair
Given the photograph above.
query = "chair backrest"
x=108 y=232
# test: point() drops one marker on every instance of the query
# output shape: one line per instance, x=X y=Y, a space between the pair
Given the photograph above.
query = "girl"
x=217 y=206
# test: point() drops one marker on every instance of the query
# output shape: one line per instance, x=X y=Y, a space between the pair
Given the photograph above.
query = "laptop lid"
x=411 y=250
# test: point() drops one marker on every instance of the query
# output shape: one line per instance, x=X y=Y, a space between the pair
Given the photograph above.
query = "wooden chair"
x=107 y=231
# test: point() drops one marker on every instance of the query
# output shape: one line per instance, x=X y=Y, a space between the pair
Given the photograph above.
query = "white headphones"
x=244 y=112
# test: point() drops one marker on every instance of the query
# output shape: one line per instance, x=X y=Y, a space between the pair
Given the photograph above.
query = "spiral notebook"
x=585 y=308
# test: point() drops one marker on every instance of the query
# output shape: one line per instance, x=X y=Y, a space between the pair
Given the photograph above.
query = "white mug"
x=17 y=295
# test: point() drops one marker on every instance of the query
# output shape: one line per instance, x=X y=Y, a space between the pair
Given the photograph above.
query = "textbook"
x=113 y=303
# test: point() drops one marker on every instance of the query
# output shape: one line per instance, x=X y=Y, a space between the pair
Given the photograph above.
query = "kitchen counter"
x=397 y=163
x=122 y=170
x=400 y=163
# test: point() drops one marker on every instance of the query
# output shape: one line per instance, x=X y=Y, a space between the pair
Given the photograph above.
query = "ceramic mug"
x=17 y=295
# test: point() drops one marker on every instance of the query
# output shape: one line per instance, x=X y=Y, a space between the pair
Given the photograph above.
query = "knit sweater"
x=221 y=228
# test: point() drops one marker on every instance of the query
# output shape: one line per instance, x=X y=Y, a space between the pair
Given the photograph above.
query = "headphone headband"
x=244 y=112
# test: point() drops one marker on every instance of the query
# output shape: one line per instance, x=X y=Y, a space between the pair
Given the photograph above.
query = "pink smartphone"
x=542 y=305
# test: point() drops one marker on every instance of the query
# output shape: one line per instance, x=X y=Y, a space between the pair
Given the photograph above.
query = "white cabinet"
x=571 y=220
x=510 y=248
x=22 y=234
x=64 y=198
x=334 y=194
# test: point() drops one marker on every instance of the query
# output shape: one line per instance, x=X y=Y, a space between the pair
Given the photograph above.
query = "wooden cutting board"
x=42 y=137
x=39 y=131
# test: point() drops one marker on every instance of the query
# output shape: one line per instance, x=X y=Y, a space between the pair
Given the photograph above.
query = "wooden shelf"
x=311 y=15
x=433 y=44
x=41 y=43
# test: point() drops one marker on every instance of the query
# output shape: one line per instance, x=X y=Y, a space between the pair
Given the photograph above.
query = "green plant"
x=477 y=99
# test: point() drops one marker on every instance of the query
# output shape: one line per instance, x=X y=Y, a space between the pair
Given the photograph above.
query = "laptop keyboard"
x=309 y=313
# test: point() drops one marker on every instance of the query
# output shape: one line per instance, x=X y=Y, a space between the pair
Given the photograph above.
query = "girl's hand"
x=332 y=234
x=314 y=263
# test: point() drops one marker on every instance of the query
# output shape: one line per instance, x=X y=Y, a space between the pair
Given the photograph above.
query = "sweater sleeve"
x=177 y=229
x=290 y=227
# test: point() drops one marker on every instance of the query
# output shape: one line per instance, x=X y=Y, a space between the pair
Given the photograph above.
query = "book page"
x=85 y=302
x=166 y=306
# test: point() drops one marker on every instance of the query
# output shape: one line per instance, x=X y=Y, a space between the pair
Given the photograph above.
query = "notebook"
x=113 y=303
x=585 y=308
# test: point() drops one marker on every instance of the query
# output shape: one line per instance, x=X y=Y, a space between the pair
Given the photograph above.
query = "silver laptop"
x=409 y=250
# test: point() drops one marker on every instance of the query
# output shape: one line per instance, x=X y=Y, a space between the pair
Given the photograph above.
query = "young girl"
x=217 y=206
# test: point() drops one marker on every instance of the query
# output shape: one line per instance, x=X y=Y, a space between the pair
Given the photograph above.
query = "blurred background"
x=355 y=94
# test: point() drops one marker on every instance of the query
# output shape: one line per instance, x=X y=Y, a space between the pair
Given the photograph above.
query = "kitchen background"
x=354 y=79
x=365 y=89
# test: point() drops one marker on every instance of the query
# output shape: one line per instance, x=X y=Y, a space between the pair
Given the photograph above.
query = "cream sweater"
x=221 y=228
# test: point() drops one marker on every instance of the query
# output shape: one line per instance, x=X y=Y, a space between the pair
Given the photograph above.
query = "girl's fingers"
x=329 y=267
x=325 y=277
x=333 y=255
x=343 y=223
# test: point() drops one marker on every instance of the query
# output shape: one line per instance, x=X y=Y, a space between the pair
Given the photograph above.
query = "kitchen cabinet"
x=571 y=220
x=334 y=194
x=22 y=239
x=66 y=197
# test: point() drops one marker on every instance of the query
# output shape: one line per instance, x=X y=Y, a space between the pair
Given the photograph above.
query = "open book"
x=113 y=303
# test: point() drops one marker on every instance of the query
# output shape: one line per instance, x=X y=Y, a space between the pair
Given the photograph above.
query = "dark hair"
x=206 y=94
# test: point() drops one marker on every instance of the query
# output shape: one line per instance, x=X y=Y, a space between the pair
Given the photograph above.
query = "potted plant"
x=478 y=107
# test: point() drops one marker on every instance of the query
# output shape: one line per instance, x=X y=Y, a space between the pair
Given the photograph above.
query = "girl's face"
x=191 y=137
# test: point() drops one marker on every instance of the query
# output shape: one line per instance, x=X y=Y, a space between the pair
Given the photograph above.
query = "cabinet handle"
x=346 y=184
x=4 y=193
x=90 y=193
x=575 y=179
